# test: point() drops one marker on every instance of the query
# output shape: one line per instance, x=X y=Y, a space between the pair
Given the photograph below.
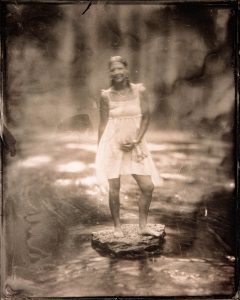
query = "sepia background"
x=57 y=63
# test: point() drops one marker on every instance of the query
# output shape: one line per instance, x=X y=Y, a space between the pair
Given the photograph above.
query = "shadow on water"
x=200 y=232
x=53 y=205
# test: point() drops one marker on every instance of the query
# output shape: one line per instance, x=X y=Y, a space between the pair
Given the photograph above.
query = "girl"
x=122 y=150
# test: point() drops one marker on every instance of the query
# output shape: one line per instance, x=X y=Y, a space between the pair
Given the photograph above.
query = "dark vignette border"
x=234 y=5
x=2 y=152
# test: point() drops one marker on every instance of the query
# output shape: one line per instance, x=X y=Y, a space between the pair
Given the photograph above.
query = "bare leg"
x=146 y=186
x=114 y=204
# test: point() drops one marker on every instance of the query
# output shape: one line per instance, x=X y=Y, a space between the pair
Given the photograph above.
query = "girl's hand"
x=127 y=146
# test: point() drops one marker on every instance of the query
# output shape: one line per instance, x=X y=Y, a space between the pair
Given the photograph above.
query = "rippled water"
x=52 y=205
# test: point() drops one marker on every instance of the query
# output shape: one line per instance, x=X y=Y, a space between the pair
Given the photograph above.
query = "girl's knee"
x=147 y=189
x=114 y=192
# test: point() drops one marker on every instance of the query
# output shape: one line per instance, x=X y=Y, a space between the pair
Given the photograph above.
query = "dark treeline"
x=57 y=61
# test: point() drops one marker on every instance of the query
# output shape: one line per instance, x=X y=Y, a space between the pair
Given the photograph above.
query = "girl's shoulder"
x=138 y=87
x=105 y=94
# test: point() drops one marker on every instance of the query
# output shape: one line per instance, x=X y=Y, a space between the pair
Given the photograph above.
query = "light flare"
x=86 y=147
x=90 y=180
x=35 y=161
x=86 y=181
x=71 y=167
x=63 y=182
x=171 y=147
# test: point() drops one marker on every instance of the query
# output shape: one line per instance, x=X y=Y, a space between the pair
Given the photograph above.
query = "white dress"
x=123 y=123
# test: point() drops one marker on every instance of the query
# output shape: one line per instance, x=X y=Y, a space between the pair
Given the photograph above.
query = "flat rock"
x=132 y=245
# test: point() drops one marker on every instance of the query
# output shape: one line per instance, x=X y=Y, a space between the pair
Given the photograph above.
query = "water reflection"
x=169 y=176
x=168 y=146
x=35 y=161
x=50 y=237
x=71 y=167
x=149 y=276
x=64 y=182
x=87 y=147
x=87 y=181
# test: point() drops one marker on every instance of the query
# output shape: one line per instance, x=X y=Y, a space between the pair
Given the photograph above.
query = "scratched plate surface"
x=57 y=62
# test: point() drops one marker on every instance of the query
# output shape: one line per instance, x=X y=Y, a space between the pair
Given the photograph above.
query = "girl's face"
x=118 y=72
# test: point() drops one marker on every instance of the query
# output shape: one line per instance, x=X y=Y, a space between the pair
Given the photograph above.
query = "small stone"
x=132 y=245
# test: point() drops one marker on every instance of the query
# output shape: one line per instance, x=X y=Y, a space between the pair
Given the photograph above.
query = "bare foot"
x=148 y=231
x=118 y=233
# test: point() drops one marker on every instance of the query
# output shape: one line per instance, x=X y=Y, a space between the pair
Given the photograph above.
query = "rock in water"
x=132 y=245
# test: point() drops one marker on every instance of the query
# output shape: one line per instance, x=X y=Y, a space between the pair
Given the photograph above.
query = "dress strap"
x=106 y=94
x=136 y=88
x=141 y=87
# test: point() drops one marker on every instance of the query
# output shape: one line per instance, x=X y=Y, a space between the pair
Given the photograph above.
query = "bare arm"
x=145 y=116
x=103 y=116
x=9 y=141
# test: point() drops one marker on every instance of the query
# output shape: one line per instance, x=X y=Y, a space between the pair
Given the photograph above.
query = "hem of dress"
x=129 y=174
x=125 y=117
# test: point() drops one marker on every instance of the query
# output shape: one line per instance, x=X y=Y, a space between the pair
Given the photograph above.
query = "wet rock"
x=132 y=245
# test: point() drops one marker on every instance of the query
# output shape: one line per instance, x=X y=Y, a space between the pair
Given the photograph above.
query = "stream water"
x=52 y=204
